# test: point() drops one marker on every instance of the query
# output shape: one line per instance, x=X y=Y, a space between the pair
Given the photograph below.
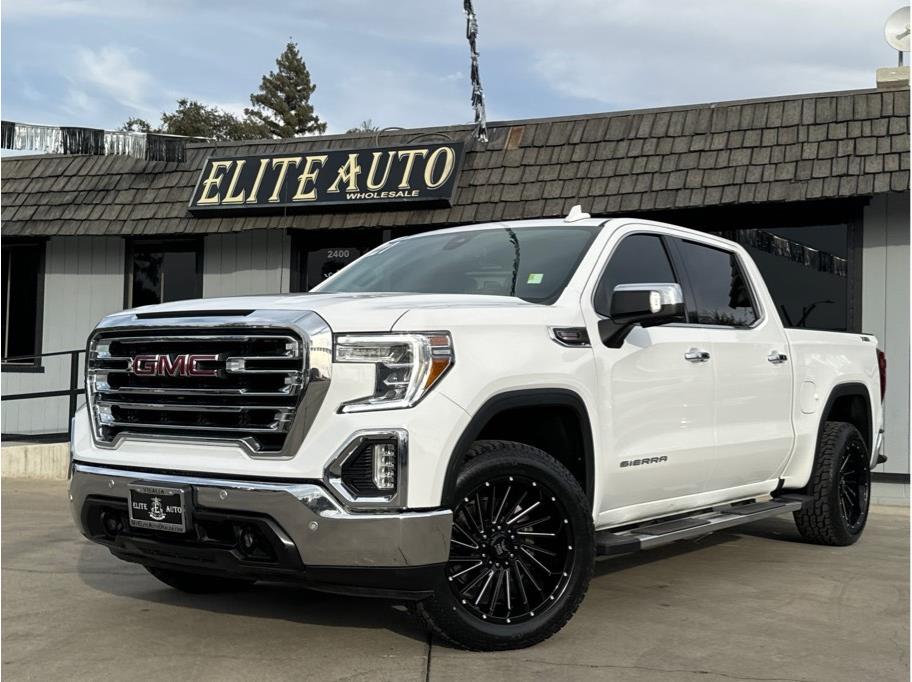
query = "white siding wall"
x=885 y=313
x=252 y=262
x=83 y=282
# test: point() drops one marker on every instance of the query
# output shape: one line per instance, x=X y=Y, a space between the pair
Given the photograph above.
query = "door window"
x=720 y=290
x=638 y=259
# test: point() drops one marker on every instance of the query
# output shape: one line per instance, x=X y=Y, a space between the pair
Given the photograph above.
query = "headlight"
x=407 y=366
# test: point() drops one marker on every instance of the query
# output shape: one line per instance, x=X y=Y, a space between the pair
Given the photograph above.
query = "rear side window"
x=720 y=290
x=638 y=259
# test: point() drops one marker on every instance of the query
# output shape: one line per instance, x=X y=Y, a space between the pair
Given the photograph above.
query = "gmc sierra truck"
x=467 y=419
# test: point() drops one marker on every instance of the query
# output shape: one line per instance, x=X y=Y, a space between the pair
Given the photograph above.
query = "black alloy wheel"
x=511 y=550
x=839 y=488
x=522 y=550
x=854 y=483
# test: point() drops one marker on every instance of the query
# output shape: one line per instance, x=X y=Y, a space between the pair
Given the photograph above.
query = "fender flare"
x=853 y=388
x=532 y=397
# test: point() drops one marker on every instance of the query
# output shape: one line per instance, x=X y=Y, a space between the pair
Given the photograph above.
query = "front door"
x=658 y=437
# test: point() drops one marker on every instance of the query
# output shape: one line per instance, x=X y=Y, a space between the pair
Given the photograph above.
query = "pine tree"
x=283 y=103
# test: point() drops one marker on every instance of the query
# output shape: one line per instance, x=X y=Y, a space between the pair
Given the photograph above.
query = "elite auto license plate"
x=158 y=508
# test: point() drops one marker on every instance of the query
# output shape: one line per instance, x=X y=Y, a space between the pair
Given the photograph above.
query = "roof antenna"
x=576 y=214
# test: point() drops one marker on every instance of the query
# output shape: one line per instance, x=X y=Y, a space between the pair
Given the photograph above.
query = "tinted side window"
x=638 y=259
x=719 y=287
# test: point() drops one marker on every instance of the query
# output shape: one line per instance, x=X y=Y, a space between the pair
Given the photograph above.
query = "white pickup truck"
x=468 y=418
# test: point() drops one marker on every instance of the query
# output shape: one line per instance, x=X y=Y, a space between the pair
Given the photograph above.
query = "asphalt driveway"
x=756 y=605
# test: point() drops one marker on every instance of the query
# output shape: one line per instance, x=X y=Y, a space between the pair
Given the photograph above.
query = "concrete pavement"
x=756 y=604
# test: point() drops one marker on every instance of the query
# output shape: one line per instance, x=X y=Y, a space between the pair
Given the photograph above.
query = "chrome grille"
x=245 y=385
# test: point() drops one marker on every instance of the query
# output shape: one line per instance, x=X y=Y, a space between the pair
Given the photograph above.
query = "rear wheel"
x=521 y=553
x=195 y=583
x=840 y=487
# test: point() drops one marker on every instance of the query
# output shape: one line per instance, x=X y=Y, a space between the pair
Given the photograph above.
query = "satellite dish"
x=896 y=30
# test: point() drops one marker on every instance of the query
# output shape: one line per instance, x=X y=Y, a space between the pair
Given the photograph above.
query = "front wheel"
x=840 y=488
x=521 y=553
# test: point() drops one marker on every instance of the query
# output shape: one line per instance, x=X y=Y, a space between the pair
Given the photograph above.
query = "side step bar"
x=658 y=533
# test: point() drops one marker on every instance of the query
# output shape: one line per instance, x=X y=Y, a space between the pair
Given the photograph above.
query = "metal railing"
x=73 y=391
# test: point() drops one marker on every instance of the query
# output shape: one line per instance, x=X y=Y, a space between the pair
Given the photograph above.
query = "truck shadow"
x=100 y=571
x=275 y=602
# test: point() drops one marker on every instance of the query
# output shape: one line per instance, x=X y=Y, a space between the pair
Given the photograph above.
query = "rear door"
x=753 y=377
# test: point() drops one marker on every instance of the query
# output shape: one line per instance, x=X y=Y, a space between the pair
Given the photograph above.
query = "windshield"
x=531 y=263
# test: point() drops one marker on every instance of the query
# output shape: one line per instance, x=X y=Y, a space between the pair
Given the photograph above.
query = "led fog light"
x=371 y=469
x=385 y=465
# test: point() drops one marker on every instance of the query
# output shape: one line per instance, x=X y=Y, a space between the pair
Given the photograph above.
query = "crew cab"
x=469 y=418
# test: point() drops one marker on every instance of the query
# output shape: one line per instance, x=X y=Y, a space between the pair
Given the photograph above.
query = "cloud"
x=59 y=9
x=629 y=54
x=405 y=63
x=395 y=96
x=232 y=107
x=80 y=104
x=110 y=71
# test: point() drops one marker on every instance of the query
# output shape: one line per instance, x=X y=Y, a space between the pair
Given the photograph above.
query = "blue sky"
x=405 y=63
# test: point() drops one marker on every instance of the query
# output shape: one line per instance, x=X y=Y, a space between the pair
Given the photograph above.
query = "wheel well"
x=554 y=429
x=553 y=421
x=850 y=405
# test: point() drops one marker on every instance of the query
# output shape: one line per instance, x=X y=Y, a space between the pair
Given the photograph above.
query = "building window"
x=23 y=304
x=163 y=270
x=806 y=270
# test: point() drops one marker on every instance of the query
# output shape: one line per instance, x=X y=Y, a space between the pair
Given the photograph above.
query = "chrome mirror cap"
x=660 y=294
x=646 y=304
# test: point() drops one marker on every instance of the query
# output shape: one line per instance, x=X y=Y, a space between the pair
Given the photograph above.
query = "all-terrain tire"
x=450 y=617
x=824 y=519
x=196 y=583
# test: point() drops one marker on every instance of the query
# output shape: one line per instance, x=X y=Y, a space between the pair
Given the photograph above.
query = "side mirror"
x=646 y=305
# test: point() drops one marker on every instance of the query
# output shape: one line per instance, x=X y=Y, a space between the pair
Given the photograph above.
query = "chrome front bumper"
x=322 y=532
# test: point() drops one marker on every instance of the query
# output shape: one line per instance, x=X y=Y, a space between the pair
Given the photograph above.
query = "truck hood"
x=372 y=312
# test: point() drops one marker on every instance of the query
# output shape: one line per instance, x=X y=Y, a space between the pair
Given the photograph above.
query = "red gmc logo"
x=184 y=365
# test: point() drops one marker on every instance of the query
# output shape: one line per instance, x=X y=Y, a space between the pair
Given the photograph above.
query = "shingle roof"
x=795 y=148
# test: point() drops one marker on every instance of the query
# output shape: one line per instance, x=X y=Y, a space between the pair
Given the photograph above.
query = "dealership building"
x=815 y=186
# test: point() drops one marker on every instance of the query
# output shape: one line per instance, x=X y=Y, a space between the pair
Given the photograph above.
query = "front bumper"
x=314 y=538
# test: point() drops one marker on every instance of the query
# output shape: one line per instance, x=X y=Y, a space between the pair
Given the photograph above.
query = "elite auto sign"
x=331 y=177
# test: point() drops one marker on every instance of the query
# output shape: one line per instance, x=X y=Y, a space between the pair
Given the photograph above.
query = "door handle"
x=776 y=357
x=696 y=355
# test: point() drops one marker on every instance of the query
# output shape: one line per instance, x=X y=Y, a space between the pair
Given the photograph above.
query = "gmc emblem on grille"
x=184 y=365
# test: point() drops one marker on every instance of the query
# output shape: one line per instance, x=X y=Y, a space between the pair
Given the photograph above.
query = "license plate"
x=158 y=508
